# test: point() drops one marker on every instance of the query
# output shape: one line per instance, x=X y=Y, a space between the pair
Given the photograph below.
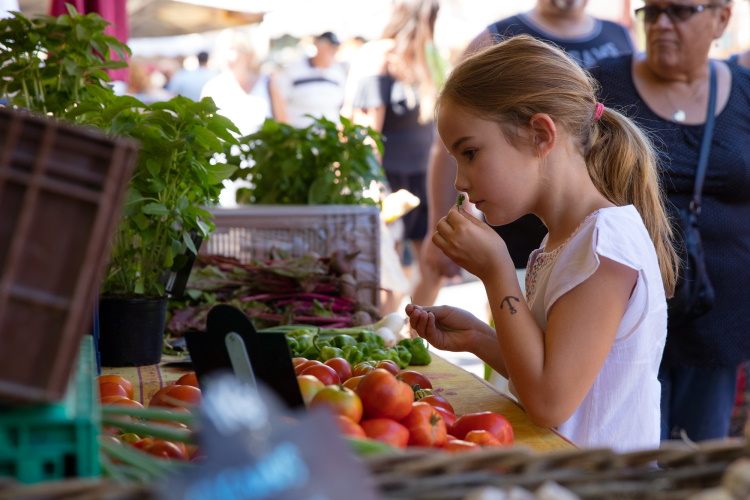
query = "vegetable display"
x=310 y=290
x=355 y=345
x=384 y=412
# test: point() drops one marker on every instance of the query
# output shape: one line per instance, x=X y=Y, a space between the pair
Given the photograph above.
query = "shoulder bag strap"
x=708 y=132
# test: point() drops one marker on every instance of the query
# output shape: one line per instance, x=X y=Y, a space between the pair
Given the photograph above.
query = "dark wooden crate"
x=61 y=189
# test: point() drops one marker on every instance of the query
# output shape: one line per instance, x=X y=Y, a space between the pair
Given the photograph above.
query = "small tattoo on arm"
x=508 y=299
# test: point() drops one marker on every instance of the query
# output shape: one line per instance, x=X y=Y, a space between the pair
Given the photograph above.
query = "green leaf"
x=207 y=139
x=219 y=171
x=155 y=209
x=141 y=221
x=189 y=242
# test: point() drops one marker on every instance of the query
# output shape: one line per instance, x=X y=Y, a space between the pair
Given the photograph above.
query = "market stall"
x=150 y=431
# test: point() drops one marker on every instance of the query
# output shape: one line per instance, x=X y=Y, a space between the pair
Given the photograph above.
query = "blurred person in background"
x=190 y=82
x=313 y=85
x=141 y=82
x=566 y=24
x=241 y=91
x=666 y=91
x=394 y=91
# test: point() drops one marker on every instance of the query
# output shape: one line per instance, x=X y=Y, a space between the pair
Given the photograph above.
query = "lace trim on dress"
x=543 y=260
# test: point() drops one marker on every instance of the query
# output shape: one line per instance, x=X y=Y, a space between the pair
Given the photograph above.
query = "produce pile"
x=378 y=408
x=309 y=290
x=378 y=401
x=375 y=342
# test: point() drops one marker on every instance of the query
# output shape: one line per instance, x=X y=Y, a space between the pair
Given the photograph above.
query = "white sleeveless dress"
x=622 y=409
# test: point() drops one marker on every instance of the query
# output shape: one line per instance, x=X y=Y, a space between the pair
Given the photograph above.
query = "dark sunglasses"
x=675 y=12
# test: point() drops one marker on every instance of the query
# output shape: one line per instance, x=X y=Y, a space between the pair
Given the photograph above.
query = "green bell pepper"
x=330 y=352
x=311 y=352
x=378 y=355
x=343 y=341
x=404 y=356
x=364 y=349
x=372 y=339
x=418 y=349
x=352 y=354
x=304 y=341
x=293 y=346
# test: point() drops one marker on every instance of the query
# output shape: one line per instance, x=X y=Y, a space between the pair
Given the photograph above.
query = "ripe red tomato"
x=297 y=361
x=349 y=427
x=363 y=368
x=111 y=389
x=482 y=438
x=162 y=449
x=353 y=382
x=117 y=399
x=426 y=427
x=488 y=421
x=342 y=367
x=414 y=378
x=440 y=401
x=459 y=445
x=117 y=379
x=301 y=367
x=308 y=386
x=387 y=364
x=447 y=416
x=386 y=430
x=176 y=396
x=384 y=396
x=324 y=373
x=341 y=400
x=189 y=378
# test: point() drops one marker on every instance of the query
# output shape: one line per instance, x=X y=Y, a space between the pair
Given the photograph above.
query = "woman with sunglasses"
x=666 y=90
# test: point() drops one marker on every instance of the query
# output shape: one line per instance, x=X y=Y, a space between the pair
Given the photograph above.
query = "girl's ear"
x=543 y=134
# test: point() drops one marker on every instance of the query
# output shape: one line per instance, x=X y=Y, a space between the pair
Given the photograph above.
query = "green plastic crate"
x=57 y=440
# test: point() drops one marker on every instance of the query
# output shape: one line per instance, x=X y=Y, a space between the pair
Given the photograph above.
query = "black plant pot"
x=131 y=330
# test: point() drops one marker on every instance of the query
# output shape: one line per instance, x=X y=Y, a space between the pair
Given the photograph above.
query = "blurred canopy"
x=150 y=18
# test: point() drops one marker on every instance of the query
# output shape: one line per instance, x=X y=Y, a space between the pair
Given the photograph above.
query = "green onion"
x=160 y=431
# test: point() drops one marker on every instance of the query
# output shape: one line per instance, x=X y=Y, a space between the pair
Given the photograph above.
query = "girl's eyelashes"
x=469 y=153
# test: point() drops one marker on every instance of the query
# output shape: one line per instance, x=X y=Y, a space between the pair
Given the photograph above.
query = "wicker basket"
x=591 y=474
x=75 y=489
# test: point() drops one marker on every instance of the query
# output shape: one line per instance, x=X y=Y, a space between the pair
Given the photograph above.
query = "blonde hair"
x=510 y=82
x=411 y=27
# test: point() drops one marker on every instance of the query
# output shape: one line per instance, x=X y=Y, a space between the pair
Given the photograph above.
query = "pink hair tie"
x=599 y=112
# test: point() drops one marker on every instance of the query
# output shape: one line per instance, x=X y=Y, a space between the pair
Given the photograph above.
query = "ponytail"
x=510 y=82
x=622 y=164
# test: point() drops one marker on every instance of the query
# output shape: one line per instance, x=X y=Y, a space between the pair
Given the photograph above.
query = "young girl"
x=582 y=351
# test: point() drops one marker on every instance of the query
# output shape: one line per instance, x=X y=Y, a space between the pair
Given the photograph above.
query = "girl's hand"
x=471 y=244
x=447 y=328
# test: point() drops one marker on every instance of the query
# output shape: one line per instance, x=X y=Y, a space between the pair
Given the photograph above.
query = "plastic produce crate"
x=255 y=231
x=53 y=441
x=61 y=189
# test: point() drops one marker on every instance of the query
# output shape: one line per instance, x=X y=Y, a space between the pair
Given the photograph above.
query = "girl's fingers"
x=455 y=213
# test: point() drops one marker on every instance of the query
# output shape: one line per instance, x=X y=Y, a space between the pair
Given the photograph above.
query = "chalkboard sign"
x=231 y=343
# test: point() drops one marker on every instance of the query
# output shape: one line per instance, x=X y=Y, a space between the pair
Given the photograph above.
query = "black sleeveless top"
x=607 y=39
x=406 y=141
x=721 y=337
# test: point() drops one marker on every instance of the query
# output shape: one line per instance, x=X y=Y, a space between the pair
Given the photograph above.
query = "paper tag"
x=256 y=451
